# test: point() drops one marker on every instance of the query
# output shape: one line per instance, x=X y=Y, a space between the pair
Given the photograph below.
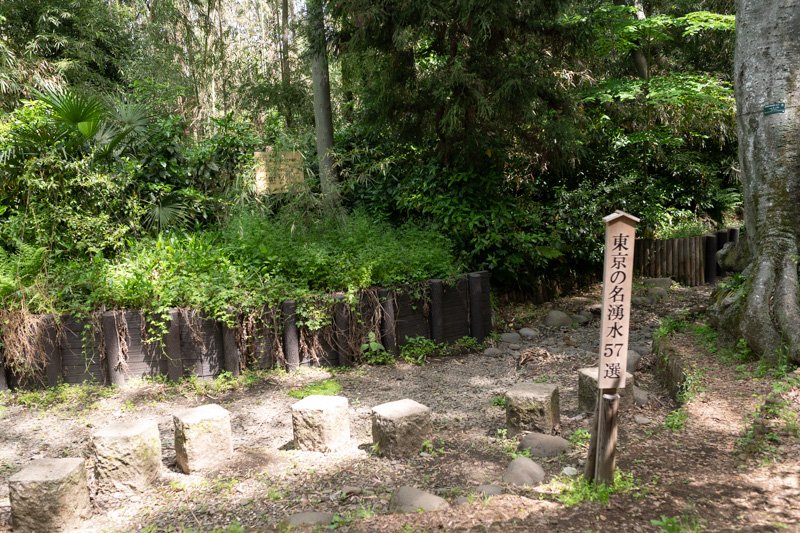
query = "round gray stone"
x=657 y=293
x=511 y=337
x=570 y=471
x=308 y=518
x=412 y=500
x=557 y=319
x=642 y=420
x=580 y=319
x=639 y=300
x=492 y=351
x=541 y=445
x=633 y=360
x=529 y=333
x=489 y=490
x=514 y=346
x=523 y=471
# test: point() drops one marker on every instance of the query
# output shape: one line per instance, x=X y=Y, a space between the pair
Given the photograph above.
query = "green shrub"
x=578 y=490
x=416 y=350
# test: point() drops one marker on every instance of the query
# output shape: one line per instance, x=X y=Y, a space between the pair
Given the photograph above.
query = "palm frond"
x=167 y=212
x=80 y=111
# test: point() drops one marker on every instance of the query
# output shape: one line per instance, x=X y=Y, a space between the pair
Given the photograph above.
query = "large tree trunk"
x=323 y=116
x=767 y=71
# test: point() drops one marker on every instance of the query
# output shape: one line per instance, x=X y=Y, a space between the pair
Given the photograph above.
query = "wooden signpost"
x=614 y=332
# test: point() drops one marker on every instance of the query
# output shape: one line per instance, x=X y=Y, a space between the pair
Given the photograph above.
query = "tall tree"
x=323 y=116
x=766 y=312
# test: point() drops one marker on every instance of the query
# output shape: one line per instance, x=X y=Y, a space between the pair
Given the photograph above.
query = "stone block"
x=202 y=437
x=321 y=423
x=127 y=456
x=399 y=428
x=587 y=390
x=532 y=407
x=49 y=495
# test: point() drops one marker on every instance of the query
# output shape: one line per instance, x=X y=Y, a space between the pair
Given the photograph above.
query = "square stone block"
x=202 y=437
x=49 y=495
x=399 y=428
x=587 y=390
x=127 y=456
x=532 y=407
x=321 y=423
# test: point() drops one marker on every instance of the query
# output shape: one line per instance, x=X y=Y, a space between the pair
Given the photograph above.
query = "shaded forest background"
x=467 y=135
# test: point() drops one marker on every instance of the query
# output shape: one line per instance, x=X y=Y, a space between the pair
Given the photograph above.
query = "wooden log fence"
x=690 y=261
x=117 y=349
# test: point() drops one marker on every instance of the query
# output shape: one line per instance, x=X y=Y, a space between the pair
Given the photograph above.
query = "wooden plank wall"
x=686 y=260
x=202 y=347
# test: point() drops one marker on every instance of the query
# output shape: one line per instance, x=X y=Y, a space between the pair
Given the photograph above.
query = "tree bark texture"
x=323 y=116
x=767 y=71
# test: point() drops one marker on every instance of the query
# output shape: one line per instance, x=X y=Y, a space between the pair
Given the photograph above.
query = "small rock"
x=639 y=300
x=657 y=293
x=569 y=471
x=461 y=500
x=529 y=333
x=411 y=500
x=557 y=319
x=642 y=420
x=511 y=337
x=307 y=518
x=514 y=346
x=640 y=396
x=633 y=360
x=523 y=471
x=541 y=445
x=492 y=351
x=580 y=319
x=489 y=490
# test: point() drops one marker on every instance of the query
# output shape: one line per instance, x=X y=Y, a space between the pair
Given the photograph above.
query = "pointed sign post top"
x=623 y=215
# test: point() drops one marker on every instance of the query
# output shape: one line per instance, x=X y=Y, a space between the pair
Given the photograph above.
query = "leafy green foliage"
x=417 y=350
x=66 y=397
x=676 y=420
x=577 y=490
x=499 y=401
x=580 y=438
x=687 y=523
x=374 y=353
x=47 y=44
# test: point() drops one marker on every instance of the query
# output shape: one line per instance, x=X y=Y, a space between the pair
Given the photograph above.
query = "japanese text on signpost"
x=617 y=284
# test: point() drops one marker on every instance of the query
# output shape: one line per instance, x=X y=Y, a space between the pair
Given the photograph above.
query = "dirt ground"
x=713 y=473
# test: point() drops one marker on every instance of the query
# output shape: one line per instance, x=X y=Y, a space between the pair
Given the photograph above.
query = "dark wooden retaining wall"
x=690 y=261
x=117 y=349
